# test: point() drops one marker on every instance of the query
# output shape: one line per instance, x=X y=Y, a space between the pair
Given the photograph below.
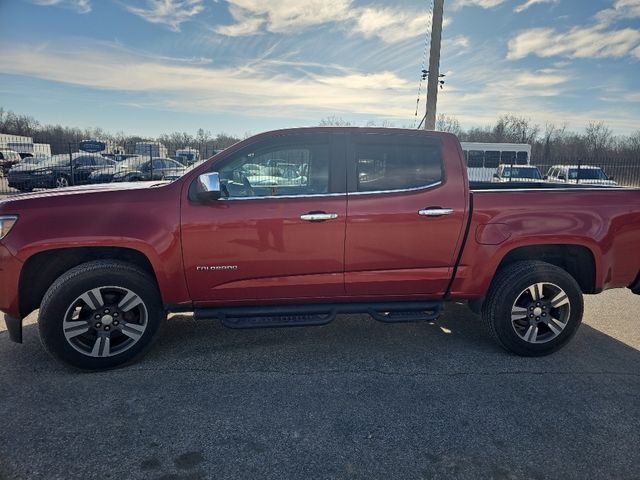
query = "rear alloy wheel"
x=540 y=313
x=533 y=308
x=100 y=314
x=62 y=182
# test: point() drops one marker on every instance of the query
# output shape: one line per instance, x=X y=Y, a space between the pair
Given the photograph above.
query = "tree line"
x=550 y=143
x=61 y=138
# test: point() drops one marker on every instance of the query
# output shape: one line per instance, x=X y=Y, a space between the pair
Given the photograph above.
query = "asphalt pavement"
x=356 y=399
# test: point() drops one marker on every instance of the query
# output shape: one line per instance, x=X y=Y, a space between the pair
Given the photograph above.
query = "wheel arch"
x=579 y=261
x=41 y=269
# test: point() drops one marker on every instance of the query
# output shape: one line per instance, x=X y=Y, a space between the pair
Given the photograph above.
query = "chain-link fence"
x=27 y=166
x=568 y=171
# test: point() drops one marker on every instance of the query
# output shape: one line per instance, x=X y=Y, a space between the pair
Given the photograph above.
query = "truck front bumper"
x=10 y=268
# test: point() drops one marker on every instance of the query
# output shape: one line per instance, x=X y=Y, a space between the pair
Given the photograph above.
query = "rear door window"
x=394 y=163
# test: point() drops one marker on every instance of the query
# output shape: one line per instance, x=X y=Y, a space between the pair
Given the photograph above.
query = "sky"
x=245 y=66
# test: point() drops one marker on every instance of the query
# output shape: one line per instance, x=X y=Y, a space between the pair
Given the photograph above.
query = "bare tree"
x=511 y=128
x=334 y=121
x=552 y=134
x=597 y=138
x=448 y=123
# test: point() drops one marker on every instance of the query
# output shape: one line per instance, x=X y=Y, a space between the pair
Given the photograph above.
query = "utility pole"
x=434 y=65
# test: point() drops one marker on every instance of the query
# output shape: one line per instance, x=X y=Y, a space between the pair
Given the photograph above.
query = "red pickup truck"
x=292 y=227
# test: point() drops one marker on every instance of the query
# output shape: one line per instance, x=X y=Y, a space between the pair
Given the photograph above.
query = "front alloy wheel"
x=101 y=314
x=105 y=321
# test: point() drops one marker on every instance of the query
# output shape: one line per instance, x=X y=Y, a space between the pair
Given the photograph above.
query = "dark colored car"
x=56 y=172
x=156 y=169
x=121 y=168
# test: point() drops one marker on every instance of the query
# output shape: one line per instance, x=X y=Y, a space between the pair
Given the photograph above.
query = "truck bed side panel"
x=607 y=222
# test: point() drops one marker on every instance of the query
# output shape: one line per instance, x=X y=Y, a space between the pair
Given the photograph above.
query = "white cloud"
x=579 y=42
x=280 y=16
x=168 y=12
x=598 y=40
x=80 y=6
x=391 y=24
x=458 y=4
x=621 y=9
x=459 y=43
x=529 y=3
x=194 y=87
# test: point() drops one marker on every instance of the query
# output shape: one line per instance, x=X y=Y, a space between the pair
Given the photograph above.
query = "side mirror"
x=562 y=177
x=208 y=187
x=546 y=177
x=495 y=175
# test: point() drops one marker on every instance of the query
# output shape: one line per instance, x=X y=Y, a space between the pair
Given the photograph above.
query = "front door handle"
x=318 y=216
x=435 y=212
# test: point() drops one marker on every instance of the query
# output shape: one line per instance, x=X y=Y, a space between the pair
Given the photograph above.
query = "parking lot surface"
x=354 y=399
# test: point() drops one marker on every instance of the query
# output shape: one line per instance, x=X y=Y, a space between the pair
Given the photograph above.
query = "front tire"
x=533 y=308
x=100 y=315
x=61 y=182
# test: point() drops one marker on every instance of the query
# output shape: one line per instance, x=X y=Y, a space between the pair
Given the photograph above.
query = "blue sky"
x=154 y=66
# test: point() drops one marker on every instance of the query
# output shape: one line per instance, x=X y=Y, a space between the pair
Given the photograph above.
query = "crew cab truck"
x=384 y=222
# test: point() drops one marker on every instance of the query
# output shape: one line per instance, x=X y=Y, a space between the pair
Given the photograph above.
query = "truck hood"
x=80 y=190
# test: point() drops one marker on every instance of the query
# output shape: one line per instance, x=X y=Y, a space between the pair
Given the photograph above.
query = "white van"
x=484 y=158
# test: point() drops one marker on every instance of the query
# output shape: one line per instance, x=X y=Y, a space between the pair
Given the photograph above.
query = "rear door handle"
x=435 y=212
x=318 y=216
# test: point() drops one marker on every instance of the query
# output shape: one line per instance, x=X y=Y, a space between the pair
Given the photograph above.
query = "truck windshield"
x=587 y=174
x=516 y=172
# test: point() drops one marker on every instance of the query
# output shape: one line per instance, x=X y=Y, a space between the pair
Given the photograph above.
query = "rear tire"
x=100 y=315
x=533 y=308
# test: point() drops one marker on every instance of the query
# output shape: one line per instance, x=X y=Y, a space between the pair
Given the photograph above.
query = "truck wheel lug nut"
x=106 y=327
x=116 y=322
x=115 y=314
x=106 y=310
x=98 y=325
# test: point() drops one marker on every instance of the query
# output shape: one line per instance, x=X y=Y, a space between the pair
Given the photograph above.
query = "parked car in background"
x=156 y=169
x=521 y=173
x=187 y=156
x=121 y=168
x=56 y=172
x=8 y=158
x=32 y=160
x=119 y=157
x=582 y=174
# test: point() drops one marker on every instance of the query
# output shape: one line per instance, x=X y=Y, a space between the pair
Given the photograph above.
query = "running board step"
x=321 y=314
